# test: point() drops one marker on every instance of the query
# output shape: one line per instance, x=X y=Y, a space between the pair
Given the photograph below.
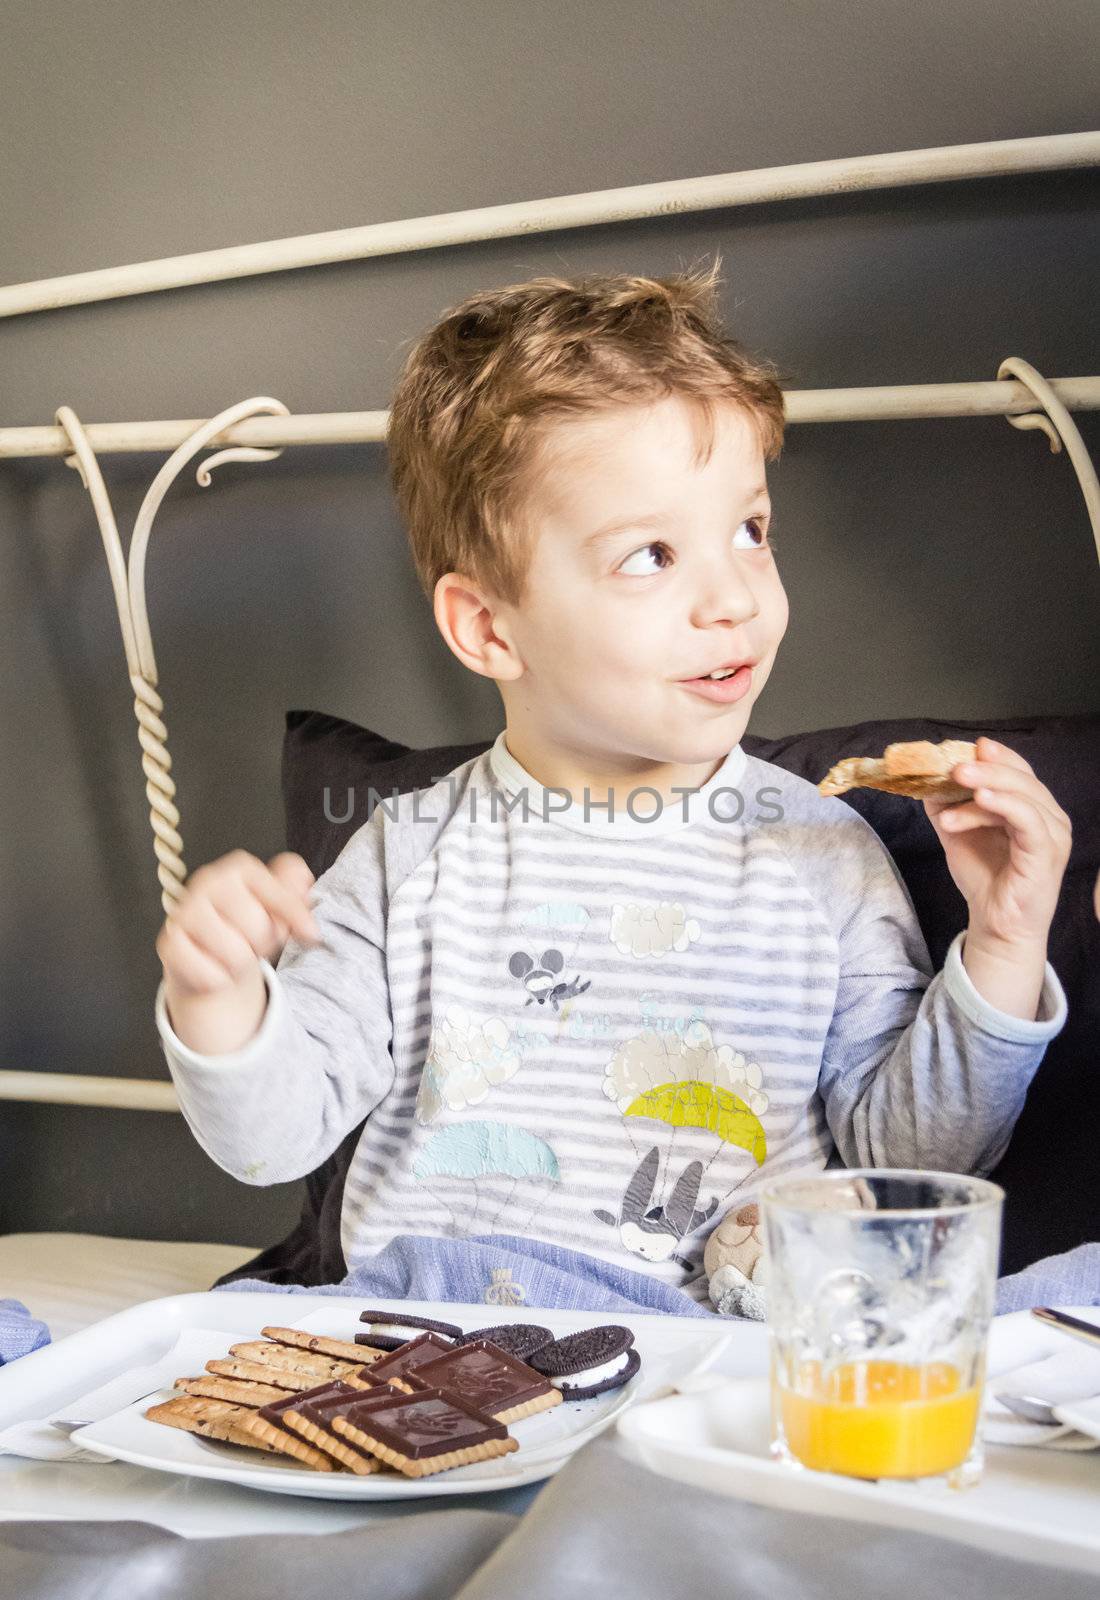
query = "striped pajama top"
x=605 y=1030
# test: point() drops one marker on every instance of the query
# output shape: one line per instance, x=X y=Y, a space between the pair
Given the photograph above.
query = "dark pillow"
x=330 y=767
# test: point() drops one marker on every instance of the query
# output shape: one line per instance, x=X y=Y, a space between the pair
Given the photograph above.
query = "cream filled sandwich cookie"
x=588 y=1363
x=388 y=1330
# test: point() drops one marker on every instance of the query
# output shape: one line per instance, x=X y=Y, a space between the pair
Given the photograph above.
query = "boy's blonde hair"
x=475 y=404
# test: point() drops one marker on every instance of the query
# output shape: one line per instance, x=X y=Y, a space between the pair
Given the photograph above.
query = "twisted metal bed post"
x=128 y=582
x=1055 y=421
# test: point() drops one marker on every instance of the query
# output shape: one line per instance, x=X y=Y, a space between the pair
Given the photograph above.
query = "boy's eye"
x=639 y=563
x=758 y=529
x=630 y=565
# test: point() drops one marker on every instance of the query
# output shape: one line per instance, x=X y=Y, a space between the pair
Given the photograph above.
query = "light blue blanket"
x=501 y=1272
x=505 y=1271
x=1071 y=1279
x=20 y=1333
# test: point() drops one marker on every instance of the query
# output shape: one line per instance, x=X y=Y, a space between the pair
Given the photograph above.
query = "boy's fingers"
x=190 y=967
x=229 y=939
x=279 y=900
x=1027 y=823
x=234 y=903
x=963 y=818
x=1031 y=824
x=933 y=806
x=991 y=750
x=1010 y=780
x=295 y=873
x=293 y=870
x=993 y=774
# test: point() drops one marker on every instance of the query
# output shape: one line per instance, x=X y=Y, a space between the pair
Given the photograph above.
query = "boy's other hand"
x=231 y=913
x=1006 y=849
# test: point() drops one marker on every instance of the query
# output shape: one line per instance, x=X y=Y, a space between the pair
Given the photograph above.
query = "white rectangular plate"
x=671 y=1349
x=1033 y=1504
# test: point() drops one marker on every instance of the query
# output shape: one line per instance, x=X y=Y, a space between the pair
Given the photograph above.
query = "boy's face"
x=617 y=627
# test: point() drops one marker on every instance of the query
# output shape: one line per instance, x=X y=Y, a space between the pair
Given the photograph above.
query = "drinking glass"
x=880 y=1288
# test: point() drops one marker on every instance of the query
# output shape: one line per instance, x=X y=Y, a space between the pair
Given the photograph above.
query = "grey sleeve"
x=321 y=1059
x=918 y=1070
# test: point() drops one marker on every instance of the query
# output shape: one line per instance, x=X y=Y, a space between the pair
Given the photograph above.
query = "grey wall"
x=941 y=568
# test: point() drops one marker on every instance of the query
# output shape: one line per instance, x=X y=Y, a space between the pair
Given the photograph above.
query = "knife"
x=1074 y=1326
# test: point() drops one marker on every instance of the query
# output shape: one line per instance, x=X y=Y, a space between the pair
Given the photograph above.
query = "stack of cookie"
x=412 y=1395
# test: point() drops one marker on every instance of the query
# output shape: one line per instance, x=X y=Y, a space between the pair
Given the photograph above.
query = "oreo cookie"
x=519 y=1339
x=380 y=1341
x=388 y=1329
x=588 y=1363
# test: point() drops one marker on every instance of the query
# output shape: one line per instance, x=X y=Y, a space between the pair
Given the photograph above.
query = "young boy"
x=598 y=984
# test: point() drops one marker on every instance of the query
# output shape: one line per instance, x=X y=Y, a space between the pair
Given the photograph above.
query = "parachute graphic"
x=472 y=1150
x=467 y=1149
x=703 y=1105
x=682 y=1079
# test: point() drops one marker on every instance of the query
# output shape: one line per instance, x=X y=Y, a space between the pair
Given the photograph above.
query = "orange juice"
x=879 y=1419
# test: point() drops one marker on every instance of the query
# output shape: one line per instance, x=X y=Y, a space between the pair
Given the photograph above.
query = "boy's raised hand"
x=1006 y=849
x=231 y=913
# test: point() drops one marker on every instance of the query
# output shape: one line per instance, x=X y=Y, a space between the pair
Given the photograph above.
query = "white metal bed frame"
x=260 y=428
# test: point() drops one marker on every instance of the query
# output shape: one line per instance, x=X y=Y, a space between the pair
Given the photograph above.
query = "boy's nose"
x=723 y=595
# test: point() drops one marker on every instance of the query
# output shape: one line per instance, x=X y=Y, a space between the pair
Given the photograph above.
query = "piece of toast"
x=917 y=768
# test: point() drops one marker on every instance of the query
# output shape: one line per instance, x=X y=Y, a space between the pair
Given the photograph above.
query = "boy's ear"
x=475 y=628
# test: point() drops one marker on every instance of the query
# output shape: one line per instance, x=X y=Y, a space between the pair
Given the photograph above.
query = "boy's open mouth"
x=723 y=684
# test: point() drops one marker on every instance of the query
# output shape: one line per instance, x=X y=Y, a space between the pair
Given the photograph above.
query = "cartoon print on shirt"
x=470 y=1056
x=653 y=1232
x=649 y=1004
x=539 y=977
x=553 y=929
x=684 y=1080
x=472 y=1150
x=466 y=1057
x=652 y=928
x=578 y=1024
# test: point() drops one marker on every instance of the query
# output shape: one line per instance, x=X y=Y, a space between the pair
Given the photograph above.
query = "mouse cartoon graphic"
x=653 y=1232
x=540 y=977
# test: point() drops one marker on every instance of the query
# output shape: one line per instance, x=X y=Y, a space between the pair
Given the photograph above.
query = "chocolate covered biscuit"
x=396 y=1367
x=491 y=1381
x=301 y=1414
x=421 y=1434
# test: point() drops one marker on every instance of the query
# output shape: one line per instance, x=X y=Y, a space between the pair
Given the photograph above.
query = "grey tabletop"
x=603 y=1527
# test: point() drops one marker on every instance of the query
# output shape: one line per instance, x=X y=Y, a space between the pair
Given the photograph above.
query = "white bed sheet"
x=71 y=1280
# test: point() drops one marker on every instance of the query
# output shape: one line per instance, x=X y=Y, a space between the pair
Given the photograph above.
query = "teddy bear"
x=732 y=1259
x=736 y=1262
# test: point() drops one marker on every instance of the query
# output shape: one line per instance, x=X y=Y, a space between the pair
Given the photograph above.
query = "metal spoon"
x=1032 y=1409
x=1028 y=1406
